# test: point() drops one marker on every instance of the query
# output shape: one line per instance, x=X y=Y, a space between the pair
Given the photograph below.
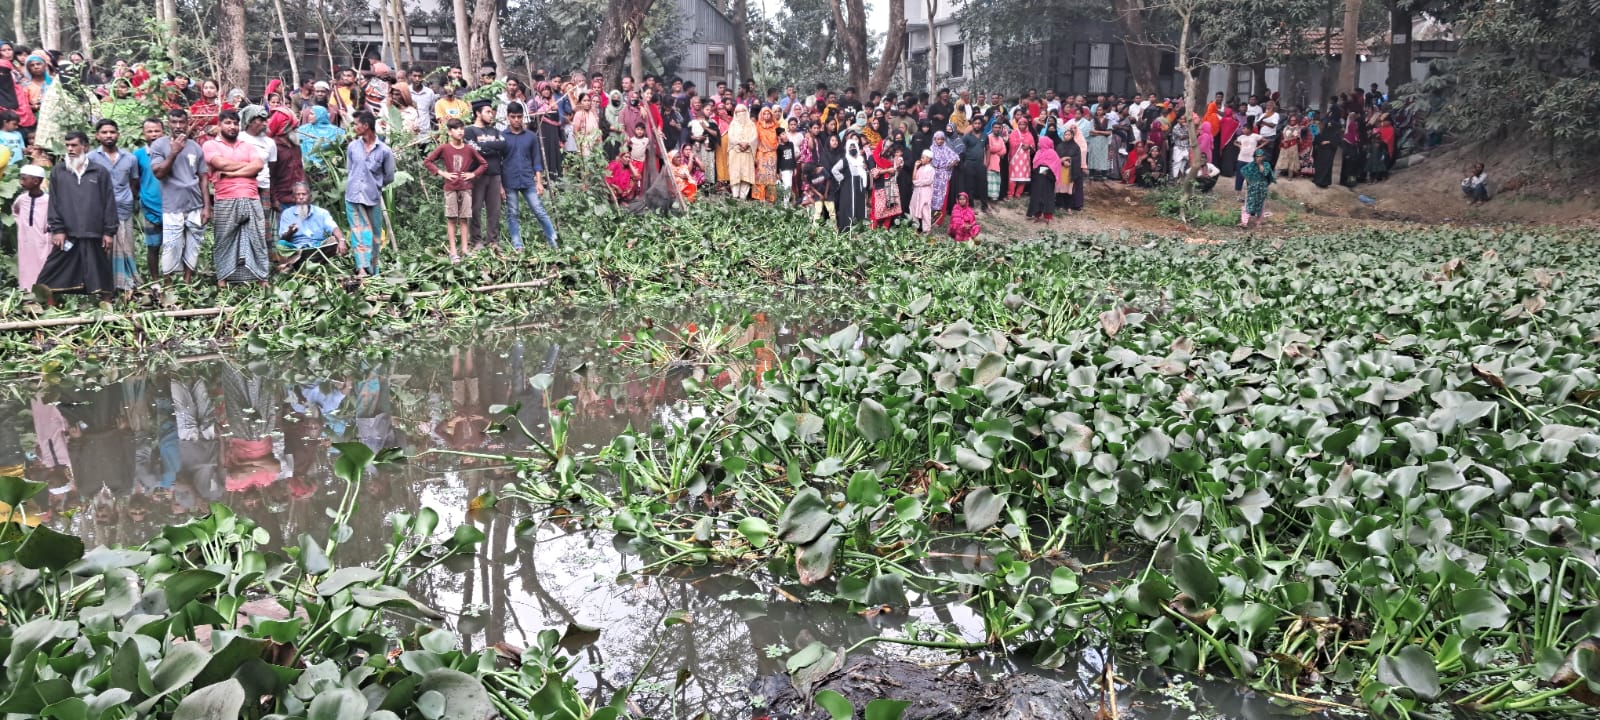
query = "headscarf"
x=1352 y=130
x=36 y=57
x=1076 y=142
x=1046 y=155
x=742 y=130
x=944 y=155
x=318 y=133
x=923 y=139
x=952 y=139
x=855 y=165
x=1211 y=115
x=1207 y=139
x=1229 y=127
x=767 y=128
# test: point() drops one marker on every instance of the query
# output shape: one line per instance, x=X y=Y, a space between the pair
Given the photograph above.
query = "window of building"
x=918 y=68
x=716 y=66
x=1099 y=68
x=428 y=52
x=1244 y=82
x=958 y=59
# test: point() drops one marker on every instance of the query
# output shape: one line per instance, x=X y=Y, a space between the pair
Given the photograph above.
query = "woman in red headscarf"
x=1228 y=156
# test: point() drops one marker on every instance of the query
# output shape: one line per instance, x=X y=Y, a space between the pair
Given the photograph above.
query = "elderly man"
x=306 y=232
x=239 y=224
x=82 y=223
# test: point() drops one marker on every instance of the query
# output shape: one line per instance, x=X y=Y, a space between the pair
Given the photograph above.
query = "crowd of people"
x=238 y=163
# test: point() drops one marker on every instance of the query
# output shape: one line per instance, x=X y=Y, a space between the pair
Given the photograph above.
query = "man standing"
x=939 y=110
x=150 y=196
x=124 y=171
x=371 y=167
x=487 y=191
x=423 y=97
x=83 y=220
x=239 y=225
x=254 y=121
x=1270 y=119
x=522 y=174
x=180 y=164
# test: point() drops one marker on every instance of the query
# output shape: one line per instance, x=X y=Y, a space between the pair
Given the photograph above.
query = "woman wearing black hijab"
x=921 y=141
x=903 y=178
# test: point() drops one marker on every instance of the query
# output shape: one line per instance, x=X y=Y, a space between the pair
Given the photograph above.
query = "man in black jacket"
x=82 y=221
x=487 y=192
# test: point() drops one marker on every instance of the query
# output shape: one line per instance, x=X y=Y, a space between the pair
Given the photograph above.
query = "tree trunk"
x=231 y=47
x=483 y=12
x=169 y=20
x=894 y=45
x=1258 y=75
x=49 y=25
x=616 y=31
x=1349 y=63
x=463 y=39
x=81 y=9
x=933 y=49
x=17 y=23
x=1400 y=44
x=849 y=17
x=1144 y=58
x=288 y=45
x=636 y=58
x=496 y=50
x=402 y=31
x=1191 y=96
x=740 y=10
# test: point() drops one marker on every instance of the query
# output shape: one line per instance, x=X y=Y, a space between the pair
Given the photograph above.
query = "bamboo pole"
x=89 y=319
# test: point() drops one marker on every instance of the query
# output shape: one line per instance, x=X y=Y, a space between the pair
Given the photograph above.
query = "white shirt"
x=1247 y=147
x=267 y=148
x=1252 y=111
x=1269 y=125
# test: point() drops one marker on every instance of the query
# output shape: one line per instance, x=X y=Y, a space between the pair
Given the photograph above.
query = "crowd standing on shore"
x=237 y=163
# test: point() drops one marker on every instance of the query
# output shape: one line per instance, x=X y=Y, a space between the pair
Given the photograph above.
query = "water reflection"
x=124 y=459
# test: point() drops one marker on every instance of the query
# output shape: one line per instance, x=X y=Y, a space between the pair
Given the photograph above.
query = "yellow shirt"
x=445 y=109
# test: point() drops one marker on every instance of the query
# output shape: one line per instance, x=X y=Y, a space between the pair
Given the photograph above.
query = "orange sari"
x=766 y=157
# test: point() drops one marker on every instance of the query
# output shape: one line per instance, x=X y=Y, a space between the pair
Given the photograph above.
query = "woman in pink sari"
x=1207 y=142
x=1020 y=168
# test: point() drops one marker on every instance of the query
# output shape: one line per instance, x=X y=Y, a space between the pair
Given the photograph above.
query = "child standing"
x=786 y=164
x=11 y=137
x=819 y=193
x=461 y=165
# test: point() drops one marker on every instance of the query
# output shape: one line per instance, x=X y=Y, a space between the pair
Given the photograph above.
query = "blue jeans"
x=538 y=211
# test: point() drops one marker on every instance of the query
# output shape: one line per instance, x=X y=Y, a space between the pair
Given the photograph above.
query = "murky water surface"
x=124 y=459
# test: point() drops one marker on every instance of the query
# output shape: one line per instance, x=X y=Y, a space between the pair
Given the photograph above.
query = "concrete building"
x=955 y=59
x=708 y=51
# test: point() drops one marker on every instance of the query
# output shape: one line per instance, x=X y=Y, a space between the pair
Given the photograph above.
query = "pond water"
x=124 y=459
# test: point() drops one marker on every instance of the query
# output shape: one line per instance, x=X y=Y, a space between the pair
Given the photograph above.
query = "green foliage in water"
x=1362 y=466
x=206 y=621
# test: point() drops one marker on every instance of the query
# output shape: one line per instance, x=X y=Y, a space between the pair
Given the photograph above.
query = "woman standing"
x=1308 y=146
x=1353 y=162
x=1099 y=139
x=766 y=156
x=1323 y=154
x=1021 y=145
x=1258 y=176
x=996 y=153
x=1289 y=148
x=1046 y=166
x=850 y=172
x=741 y=153
x=724 y=118
x=945 y=160
x=585 y=126
x=885 y=185
x=1228 y=154
x=1072 y=168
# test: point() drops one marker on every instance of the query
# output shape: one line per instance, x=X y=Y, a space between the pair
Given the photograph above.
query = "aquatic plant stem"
x=940 y=644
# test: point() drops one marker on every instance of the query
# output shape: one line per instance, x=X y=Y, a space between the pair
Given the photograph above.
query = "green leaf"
x=814 y=561
x=1191 y=574
x=1153 y=446
x=338 y=704
x=45 y=548
x=872 y=421
x=982 y=509
x=221 y=700
x=1189 y=461
x=1002 y=390
x=184 y=586
x=756 y=531
x=882 y=709
x=805 y=518
x=968 y=459
x=345 y=577
x=15 y=490
x=1481 y=609
x=353 y=460
x=34 y=636
x=887 y=589
x=431 y=704
x=1411 y=671
x=182 y=663
x=837 y=706
x=312 y=559
x=865 y=489
x=102 y=560
x=464 y=696
x=829 y=467
x=992 y=367
x=1063 y=581
x=239 y=650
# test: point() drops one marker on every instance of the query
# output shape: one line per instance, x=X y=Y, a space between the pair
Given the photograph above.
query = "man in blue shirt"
x=522 y=175
x=371 y=167
x=124 y=172
x=305 y=231
x=150 y=195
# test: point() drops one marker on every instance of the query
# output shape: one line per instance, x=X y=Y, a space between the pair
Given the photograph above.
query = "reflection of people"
x=249 y=413
x=195 y=416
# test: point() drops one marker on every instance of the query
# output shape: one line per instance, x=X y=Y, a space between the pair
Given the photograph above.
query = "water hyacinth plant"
x=1364 y=467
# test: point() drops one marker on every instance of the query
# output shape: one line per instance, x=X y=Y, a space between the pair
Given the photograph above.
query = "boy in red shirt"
x=458 y=163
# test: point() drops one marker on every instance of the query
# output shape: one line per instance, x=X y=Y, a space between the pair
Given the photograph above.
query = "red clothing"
x=963 y=223
x=233 y=188
x=464 y=159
